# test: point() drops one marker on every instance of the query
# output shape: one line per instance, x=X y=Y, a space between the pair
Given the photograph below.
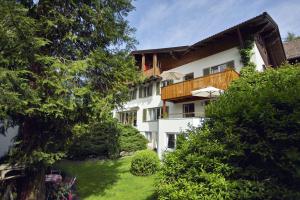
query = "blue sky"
x=166 y=23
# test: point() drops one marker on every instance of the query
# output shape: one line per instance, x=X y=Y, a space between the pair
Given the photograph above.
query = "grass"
x=109 y=180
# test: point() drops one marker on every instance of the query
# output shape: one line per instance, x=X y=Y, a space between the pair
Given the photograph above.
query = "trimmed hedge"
x=144 y=163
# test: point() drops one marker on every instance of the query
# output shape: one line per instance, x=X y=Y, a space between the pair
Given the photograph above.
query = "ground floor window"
x=128 y=117
x=189 y=110
x=148 y=135
x=171 y=140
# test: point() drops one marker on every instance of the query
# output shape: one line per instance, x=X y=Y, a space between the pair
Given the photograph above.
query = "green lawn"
x=109 y=180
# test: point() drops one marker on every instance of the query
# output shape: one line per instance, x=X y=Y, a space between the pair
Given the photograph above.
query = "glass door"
x=188 y=110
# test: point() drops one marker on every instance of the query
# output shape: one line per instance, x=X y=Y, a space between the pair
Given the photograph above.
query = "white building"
x=7 y=140
x=161 y=110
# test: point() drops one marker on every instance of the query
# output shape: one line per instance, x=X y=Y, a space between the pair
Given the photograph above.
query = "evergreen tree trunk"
x=32 y=186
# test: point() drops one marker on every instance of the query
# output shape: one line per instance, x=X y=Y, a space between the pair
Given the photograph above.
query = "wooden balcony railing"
x=154 y=71
x=219 y=80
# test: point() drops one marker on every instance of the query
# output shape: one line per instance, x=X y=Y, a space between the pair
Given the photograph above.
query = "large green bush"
x=131 y=140
x=96 y=140
x=106 y=139
x=249 y=147
x=144 y=163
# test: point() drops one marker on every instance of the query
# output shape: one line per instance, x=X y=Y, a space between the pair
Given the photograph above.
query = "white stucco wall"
x=6 y=140
x=197 y=66
x=257 y=59
x=173 y=126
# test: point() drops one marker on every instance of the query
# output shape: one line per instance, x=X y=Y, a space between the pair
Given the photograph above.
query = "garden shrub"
x=131 y=140
x=249 y=147
x=106 y=139
x=97 y=140
x=144 y=163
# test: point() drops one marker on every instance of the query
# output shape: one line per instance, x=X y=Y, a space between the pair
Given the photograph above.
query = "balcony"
x=183 y=90
x=154 y=71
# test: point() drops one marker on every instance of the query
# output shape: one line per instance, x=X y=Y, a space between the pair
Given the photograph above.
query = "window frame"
x=188 y=114
x=175 y=139
x=146 y=90
x=190 y=76
x=133 y=94
x=155 y=112
x=157 y=88
x=219 y=66
x=147 y=134
x=128 y=117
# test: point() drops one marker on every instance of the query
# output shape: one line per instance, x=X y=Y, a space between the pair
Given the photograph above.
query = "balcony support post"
x=164 y=109
x=154 y=63
x=143 y=63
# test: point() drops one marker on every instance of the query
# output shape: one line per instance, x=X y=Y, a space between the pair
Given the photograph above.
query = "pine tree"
x=63 y=64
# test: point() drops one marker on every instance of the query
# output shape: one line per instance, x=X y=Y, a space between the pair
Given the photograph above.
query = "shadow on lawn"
x=152 y=197
x=93 y=177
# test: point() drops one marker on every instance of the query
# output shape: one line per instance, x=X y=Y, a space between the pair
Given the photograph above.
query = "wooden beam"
x=173 y=55
x=154 y=64
x=270 y=34
x=240 y=38
x=143 y=62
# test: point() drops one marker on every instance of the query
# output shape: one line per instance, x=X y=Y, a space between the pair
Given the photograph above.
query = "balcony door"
x=188 y=110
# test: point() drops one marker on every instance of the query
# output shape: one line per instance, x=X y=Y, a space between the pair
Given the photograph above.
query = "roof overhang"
x=262 y=24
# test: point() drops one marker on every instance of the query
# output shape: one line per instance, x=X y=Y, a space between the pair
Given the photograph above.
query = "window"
x=153 y=114
x=218 y=68
x=157 y=88
x=171 y=144
x=145 y=91
x=148 y=135
x=132 y=94
x=214 y=69
x=167 y=82
x=128 y=117
x=189 y=110
x=206 y=71
x=189 y=76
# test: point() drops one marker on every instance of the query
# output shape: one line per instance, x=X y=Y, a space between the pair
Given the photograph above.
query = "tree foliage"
x=291 y=36
x=249 y=147
x=63 y=65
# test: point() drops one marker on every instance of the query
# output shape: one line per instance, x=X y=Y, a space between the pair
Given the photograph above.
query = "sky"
x=168 y=23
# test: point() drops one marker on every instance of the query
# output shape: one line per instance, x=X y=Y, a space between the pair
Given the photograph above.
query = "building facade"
x=161 y=109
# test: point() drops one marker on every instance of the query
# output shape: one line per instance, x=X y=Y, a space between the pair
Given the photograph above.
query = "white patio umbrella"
x=171 y=75
x=207 y=92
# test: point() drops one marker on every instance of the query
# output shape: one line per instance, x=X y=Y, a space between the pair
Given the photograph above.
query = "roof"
x=161 y=50
x=292 y=49
x=258 y=21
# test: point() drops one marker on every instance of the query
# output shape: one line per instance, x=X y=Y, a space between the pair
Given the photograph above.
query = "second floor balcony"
x=183 y=90
x=153 y=71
